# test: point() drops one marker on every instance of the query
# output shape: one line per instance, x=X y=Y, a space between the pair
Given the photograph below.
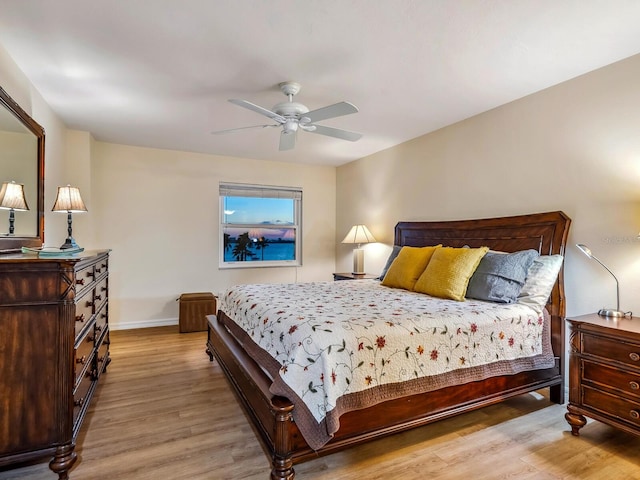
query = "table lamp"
x=69 y=200
x=358 y=234
x=12 y=199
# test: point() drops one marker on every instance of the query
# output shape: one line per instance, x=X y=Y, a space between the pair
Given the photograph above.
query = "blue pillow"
x=392 y=256
x=500 y=276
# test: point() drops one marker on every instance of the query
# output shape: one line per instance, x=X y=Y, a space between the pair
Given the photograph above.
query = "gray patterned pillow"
x=500 y=276
x=392 y=256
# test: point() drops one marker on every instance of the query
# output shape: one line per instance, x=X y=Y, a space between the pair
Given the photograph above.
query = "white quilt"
x=331 y=340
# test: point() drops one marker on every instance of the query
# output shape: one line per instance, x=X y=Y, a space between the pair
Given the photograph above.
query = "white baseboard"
x=162 y=322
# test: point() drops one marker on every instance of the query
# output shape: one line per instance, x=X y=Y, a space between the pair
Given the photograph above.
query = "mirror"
x=21 y=161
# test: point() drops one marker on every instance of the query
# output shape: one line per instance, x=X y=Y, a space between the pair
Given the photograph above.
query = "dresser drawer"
x=81 y=395
x=85 y=278
x=102 y=358
x=610 y=349
x=84 y=310
x=612 y=406
x=101 y=322
x=100 y=293
x=83 y=356
x=627 y=382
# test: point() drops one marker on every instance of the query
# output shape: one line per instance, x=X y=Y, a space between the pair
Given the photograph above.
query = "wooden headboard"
x=545 y=232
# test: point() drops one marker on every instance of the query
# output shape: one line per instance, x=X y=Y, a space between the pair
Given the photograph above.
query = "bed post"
x=282 y=462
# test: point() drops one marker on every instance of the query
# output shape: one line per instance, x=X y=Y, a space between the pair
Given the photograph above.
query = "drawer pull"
x=634 y=414
x=103 y=315
x=89 y=303
x=98 y=270
x=634 y=385
x=79 y=281
x=634 y=356
x=97 y=297
x=81 y=360
x=79 y=402
x=104 y=265
x=99 y=328
x=91 y=274
x=104 y=289
x=80 y=318
x=90 y=339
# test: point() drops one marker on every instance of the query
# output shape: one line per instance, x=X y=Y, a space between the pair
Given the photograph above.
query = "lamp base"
x=609 y=312
x=358 y=261
x=69 y=243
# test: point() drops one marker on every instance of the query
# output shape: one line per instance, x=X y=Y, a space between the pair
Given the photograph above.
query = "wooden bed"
x=272 y=416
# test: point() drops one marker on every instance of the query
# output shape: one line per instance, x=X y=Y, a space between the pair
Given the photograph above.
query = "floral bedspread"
x=338 y=346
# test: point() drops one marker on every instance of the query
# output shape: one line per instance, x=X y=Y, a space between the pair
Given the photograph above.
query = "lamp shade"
x=359 y=234
x=69 y=200
x=12 y=196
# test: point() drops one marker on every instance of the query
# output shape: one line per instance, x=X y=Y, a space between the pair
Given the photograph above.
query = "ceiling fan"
x=293 y=116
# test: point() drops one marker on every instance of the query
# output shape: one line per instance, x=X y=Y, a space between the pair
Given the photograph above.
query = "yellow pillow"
x=407 y=266
x=449 y=271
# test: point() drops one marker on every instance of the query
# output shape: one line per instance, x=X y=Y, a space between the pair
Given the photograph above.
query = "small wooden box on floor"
x=194 y=308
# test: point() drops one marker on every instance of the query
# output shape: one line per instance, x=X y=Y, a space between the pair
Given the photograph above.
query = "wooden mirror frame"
x=10 y=244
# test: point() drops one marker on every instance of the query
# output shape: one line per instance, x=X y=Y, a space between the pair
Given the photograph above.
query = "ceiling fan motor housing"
x=290 y=109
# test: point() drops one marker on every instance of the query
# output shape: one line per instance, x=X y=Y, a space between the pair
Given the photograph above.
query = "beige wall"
x=158 y=212
x=164 y=245
x=16 y=84
x=573 y=147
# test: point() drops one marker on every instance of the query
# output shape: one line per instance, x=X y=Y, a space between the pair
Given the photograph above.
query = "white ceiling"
x=158 y=73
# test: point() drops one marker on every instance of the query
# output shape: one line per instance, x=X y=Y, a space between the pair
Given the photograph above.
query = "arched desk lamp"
x=606 y=312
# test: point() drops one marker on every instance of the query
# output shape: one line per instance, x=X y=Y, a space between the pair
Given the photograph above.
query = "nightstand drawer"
x=612 y=406
x=622 y=380
x=611 y=349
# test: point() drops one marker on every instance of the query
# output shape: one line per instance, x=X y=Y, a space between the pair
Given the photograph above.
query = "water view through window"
x=259 y=229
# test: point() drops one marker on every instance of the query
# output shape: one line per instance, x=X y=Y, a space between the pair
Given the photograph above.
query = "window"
x=259 y=226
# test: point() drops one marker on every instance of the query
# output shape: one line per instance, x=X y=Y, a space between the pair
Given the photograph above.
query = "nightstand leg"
x=575 y=419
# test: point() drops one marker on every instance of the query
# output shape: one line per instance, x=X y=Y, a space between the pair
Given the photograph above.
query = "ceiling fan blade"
x=336 y=132
x=331 y=111
x=287 y=141
x=234 y=130
x=258 y=109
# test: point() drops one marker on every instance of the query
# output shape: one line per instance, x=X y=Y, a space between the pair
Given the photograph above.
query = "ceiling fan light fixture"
x=290 y=126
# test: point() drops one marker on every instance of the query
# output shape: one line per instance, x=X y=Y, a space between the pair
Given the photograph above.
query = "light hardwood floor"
x=164 y=412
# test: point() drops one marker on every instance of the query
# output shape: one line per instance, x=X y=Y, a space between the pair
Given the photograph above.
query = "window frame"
x=260 y=191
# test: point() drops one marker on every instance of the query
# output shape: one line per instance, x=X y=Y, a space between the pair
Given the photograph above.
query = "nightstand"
x=353 y=276
x=604 y=372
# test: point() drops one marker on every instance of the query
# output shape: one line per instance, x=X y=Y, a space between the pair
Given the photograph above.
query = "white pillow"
x=541 y=277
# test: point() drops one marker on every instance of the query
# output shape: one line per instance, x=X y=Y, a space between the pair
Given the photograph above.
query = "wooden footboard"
x=271 y=416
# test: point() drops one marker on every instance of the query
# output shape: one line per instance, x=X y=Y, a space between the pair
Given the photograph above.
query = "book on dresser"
x=54 y=347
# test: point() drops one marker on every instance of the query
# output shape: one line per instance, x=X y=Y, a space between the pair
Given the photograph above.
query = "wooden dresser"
x=54 y=346
x=604 y=372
